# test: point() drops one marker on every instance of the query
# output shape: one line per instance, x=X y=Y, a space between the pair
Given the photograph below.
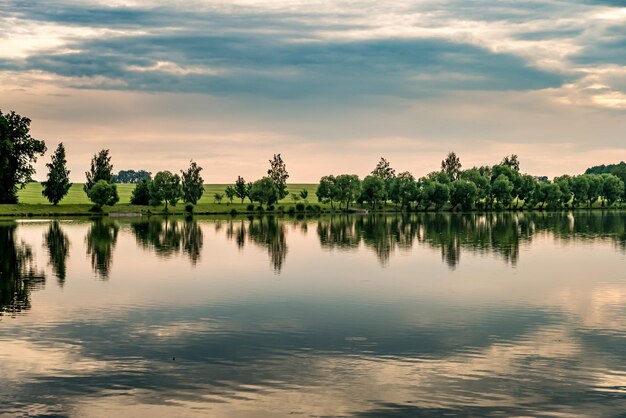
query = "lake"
x=500 y=314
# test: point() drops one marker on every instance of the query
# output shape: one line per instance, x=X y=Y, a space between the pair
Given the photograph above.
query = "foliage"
x=279 y=175
x=451 y=165
x=101 y=169
x=165 y=187
x=373 y=190
x=304 y=194
x=241 y=191
x=512 y=162
x=463 y=193
x=230 y=193
x=264 y=191
x=192 y=184
x=435 y=193
x=218 y=197
x=347 y=189
x=18 y=152
x=326 y=189
x=383 y=170
x=141 y=193
x=131 y=176
x=502 y=189
x=103 y=193
x=58 y=183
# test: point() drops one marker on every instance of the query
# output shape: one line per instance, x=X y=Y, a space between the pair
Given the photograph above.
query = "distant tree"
x=18 y=152
x=347 y=189
x=480 y=178
x=326 y=189
x=248 y=189
x=101 y=169
x=218 y=197
x=192 y=183
x=265 y=191
x=501 y=190
x=304 y=194
x=279 y=175
x=565 y=187
x=230 y=193
x=436 y=193
x=373 y=190
x=451 y=166
x=440 y=177
x=165 y=187
x=580 y=189
x=525 y=186
x=463 y=193
x=383 y=170
x=403 y=189
x=511 y=161
x=295 y=197
x=131 y=176
x=141 y=193
x=548 y=193
x=103 y=193
x=612 y=188
x=595 y=188
x=240 y=188
x=58 y=183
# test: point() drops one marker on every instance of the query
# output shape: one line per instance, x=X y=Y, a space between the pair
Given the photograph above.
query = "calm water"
x=379 y=316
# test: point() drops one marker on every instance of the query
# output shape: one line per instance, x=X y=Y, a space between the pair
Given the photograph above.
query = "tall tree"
x=193 y=184
x=451 y=165
x=141 y=193
x=347 y=188
x=58 y=183
x=373 y=190
x=241 y=191
x=279 y=175
x=101 y=169
x=511 y=161
x=383 y=170
x=165 y=187
x=264 y=191
x=326 y=190
x=18 y=152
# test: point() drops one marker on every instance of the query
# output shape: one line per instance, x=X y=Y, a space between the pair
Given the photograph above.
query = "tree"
x=58 y=183
x=436 y=193
x=595 y=188
x=218 y=197
x=193 y=184
x=295 y=197
x=18 y=152
x=580 y=189
x=131 y=176
x=480 y=178
x=278 y=174
x=230 y=193
x=612 y=188
x=304 y=194
x=383 y=170
x=240 y=188
x=165 y=187
x=264 y=191
x=525 y=187
x=565 y=186
x=463 y=193
x=101 y=169
x=511 y=161
x=451 y=166
x=403 y=189
x=501 y=190
x=373 y=189
x=103 y=193
x=548 y=193
x=347 y=189
x=326 y=189
x=141 y=193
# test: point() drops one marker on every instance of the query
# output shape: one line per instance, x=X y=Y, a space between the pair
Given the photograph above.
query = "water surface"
x=422 y=315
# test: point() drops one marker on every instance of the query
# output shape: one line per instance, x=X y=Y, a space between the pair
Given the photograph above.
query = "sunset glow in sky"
x=332 y=85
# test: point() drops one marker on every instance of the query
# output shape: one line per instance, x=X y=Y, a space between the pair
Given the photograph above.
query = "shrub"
x=250 y=207
x=233 y=212
x=300 y=207
x=291 y=210
x=189 y=208
x=260 y=209
x=309 y=208
x=270 y=207
x=281 y=208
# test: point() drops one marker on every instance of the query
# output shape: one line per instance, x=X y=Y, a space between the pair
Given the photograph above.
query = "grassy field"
x=32 y=202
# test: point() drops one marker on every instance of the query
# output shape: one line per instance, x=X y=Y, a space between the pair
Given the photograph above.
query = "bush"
x=189 y=208
x=270 y=207
x=291 y=210
x=309 y=208
x=260 y=209
x=300 y=207
x=233 y=212
x=281 y=208
x=250 y=207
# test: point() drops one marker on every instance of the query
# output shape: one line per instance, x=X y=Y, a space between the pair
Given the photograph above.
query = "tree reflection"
x=18 y=274
x=168 y=237
x=101 y=240
x=58 y=246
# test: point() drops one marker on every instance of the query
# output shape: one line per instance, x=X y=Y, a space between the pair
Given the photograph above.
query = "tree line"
x=501 y=186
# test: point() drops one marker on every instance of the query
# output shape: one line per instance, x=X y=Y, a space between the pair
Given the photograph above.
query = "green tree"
x=480 y=178
x=103 y=193
x=131 y=176
x=451 y=165
x=347 y=189
x=326 y=189
x=580 y=189
x=565 y=186
x=595 y=188
x=463 y=193
x=548 y=193
x=403 y=189
x=141 y=192
x=264 y=191
x=18 y=152
x=193 y=184
x=304 y=194
x=612 y=188
x=230 y=193
x=373 y=190
x=501 y=190
x=58 y=183
x=512 y=162
x=241 y=190
x=383 y=170
x=525 y=186
x=165 y=187
x=436 y=193
x=101 y=169
x=279 y=175
x=218 y=197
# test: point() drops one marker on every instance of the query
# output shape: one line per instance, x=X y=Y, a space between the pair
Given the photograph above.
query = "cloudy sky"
x=332 y=85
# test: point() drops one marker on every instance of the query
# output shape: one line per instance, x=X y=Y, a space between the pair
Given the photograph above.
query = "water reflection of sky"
x=219 y=331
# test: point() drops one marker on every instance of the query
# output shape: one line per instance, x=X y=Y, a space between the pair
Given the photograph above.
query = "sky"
x=331 y=85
